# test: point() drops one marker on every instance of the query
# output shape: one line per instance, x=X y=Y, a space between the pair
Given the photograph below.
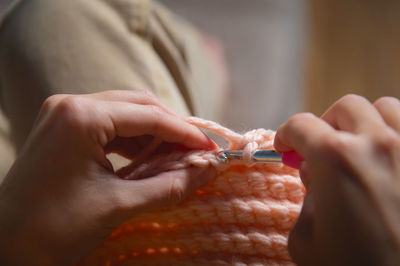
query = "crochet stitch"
x=243 y=217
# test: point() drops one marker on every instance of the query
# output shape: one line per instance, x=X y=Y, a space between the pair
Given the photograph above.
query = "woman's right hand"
x=62 y=197
x=351 y=212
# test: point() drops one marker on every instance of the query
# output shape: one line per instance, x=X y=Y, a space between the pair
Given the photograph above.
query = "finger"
x=301 y=132
x=354 y=114
x=389 y=109
x=303 y=172
x=129 y=120
x=128 y=147
x=342 y=202
x=132 y=147
x=144 y=97
x=300 y=240
x=167 y=188
x=47 y=106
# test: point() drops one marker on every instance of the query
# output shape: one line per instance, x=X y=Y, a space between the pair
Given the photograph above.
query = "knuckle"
x=143 y=96
x=300 y=118
x=383 y=101
x=347 y=106
x=349 y=100
x=69 y=111
x=387 y=141
x=52 y=101
x=67 y=105
x=156 y=111
x=148 y=97
x=177 y=191
x=156 y=114
x=335 y=146
x=295 y=122
x=147 y=94
x=352 y=98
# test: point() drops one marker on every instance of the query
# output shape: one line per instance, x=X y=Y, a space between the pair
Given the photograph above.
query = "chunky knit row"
x=197 y=259
x=243 y=217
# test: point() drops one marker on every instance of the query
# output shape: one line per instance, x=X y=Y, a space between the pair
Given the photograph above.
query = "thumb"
x=300 y=243
x=167 y=188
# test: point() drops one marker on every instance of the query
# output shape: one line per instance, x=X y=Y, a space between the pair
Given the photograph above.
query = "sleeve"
x=79 y=46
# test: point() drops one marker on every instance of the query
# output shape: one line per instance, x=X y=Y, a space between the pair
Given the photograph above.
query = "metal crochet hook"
x=260 y=156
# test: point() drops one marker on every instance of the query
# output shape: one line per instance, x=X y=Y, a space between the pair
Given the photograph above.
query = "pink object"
x=292 y=159
x=242 y=217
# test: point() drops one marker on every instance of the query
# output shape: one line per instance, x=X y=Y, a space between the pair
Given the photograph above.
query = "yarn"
x=243 y=217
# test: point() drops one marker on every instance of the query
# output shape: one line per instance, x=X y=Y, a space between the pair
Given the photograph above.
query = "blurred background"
x=287 y=56
x=264 y=43
x=354 y=47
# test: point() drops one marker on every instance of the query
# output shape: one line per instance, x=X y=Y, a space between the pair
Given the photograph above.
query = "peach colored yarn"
x=243 y=217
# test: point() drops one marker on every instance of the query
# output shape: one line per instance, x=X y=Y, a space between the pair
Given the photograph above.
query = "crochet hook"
x=291 y=158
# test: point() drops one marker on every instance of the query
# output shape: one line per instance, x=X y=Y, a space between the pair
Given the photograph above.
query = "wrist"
x=19 y=243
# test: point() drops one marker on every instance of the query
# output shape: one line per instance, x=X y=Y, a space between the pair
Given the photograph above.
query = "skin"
x=62 y=198
x=351 y=171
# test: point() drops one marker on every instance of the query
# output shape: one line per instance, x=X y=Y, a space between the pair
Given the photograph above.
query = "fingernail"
x=209 y=144
x=292 y=159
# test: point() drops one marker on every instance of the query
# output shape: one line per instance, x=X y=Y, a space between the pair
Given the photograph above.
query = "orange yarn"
x=243 y=217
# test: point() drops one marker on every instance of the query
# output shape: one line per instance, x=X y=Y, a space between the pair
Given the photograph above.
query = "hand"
x=351 y=212
x=62 y=198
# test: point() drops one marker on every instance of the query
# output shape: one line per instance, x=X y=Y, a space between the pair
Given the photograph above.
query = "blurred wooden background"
x=354 y=48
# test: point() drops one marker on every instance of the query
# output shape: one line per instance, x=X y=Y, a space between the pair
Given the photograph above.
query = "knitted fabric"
x=243 y=217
